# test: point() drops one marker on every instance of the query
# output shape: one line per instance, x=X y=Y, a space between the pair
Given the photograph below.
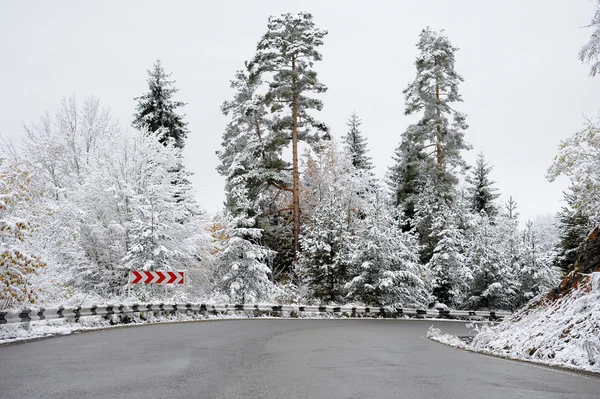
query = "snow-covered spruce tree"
x=334 y=198
x=433 y=92
x=249 y=141
x=536 y=274
x=385 y=266
x=17 y=262
x=407 y=173
x=591 y=51
x=430 y=203
x=324 y=259
x=573 y=228
x=462 y=210
x=495 y=280
x=158 y=110
x=356 y=145
x=481 y=189
x=240 y=270
x=166 y=230
x=286 y=55
x=449 y=276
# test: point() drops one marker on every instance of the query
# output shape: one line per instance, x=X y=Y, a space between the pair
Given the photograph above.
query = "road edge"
x=582 y=372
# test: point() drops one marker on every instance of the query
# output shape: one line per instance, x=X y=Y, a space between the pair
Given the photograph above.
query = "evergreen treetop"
x=356 y=144
x=481 y=191
x=157 y=109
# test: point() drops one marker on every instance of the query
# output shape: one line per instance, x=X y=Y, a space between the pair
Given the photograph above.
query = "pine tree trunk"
x=438 y=147
x=295 y=173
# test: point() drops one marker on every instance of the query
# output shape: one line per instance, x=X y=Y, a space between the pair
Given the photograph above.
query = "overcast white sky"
x=524 y=90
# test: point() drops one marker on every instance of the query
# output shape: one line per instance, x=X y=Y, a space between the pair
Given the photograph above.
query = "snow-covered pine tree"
x=385 y=264
x=356 y=145
x=249 y=141
x=433 y=92
x=481 y=190
x=158 y=110
x=449 y=276
x=591 y=51
x=17 y=262
x=286 y=54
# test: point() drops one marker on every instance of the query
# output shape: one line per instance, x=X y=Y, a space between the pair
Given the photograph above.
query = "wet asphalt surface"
x=279 y=359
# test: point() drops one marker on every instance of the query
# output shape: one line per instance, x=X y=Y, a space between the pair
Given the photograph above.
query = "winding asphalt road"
x=274 y=359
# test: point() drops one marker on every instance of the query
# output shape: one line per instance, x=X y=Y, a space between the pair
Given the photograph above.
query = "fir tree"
x=430 y=203
x=356 y=144
x=324 y=258
x=158 y=110
x=433 y=92
x=385 y=262
x=287 y=53
x=240 y=269
x=248 y=143
x=407 y=172
x=511 y=209
x=574 y=227
x=481 y=190
x=448 y=274
x=495 y=279
x=536 y=273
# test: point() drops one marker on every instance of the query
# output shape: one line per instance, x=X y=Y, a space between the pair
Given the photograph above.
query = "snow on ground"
x=562 y=332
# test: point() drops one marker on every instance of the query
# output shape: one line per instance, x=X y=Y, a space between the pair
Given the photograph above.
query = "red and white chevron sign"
x=144 y=277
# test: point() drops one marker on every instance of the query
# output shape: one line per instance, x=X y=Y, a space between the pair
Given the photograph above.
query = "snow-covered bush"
x=17 y=262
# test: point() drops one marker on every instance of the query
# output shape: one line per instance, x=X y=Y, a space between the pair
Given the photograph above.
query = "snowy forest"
x=85 y=199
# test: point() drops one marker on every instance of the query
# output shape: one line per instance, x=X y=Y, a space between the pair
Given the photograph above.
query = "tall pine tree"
x=157 y=109
x=286 y=54
x=433 y=93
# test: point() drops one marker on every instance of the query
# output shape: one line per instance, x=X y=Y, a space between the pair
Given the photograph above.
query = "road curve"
x=278 y=359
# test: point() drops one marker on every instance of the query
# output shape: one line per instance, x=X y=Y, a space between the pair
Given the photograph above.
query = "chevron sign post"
x=157 y=277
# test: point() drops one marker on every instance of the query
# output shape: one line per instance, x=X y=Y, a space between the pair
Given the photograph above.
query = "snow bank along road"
x=274 y=359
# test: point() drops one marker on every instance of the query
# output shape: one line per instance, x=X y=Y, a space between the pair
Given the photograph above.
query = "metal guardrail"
x=74 y=313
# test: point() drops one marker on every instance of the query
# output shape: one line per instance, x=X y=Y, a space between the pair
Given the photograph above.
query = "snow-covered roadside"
x=563 y=332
